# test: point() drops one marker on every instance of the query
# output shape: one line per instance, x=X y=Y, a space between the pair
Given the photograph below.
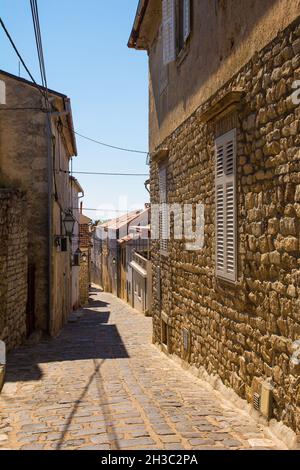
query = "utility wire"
x=106 y=145
x=24 y=109
x=19 y=55
x=42 y=67
x=104 y=210
x=103 y=173
x=38 y=36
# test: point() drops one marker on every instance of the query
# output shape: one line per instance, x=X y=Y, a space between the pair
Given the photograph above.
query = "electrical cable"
x=42 y=66
x=18 y=54
x=103 y=173
x=106 y=145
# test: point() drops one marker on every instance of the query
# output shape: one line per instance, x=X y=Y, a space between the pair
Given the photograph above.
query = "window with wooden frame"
x=226 y=206
x=163 y=214
x=176 y=20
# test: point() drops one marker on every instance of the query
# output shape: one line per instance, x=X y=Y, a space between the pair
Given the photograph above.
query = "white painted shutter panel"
x=168 y=20
x=186 y=19
x=226 y=225
x=163 y=215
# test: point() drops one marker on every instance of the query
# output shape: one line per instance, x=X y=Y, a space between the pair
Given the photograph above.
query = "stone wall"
x=242 y=331
x=84 y=279
x=13 y=267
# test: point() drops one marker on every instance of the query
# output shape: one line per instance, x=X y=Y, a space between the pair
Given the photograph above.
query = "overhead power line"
x=18 y=54
x=107 y=145
x=44 y=80
x=103 y=173
x=23 y=109
x=38 y=40
x=104 y=210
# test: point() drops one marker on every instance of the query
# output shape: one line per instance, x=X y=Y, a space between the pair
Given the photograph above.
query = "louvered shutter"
x=163 y=215
x=186 y=19
x=2 y=92
x=226 y=226
x=168 y=21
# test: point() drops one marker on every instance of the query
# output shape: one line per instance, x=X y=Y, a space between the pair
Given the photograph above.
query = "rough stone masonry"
x=242 y=331
x=13 y=267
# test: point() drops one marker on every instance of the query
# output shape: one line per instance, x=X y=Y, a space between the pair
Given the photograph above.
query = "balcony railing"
x=140 y=260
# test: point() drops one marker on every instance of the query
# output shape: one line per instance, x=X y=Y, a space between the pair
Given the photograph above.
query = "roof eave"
x=139 y=17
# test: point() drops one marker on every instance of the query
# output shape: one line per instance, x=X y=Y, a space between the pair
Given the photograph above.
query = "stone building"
x=35 y=159
x=119 y=238
x=224 y=134
x=76 y=194
x=14 y=322
x=113 y=269
x=85 y=258
x=96 y=258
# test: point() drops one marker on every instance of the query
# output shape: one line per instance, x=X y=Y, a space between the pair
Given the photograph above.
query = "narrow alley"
x=102 y=385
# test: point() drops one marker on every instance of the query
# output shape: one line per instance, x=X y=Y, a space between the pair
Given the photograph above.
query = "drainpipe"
x=50 y=219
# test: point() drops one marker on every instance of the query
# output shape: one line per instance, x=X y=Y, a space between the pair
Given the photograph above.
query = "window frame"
x=163 y=201
x=225 y=185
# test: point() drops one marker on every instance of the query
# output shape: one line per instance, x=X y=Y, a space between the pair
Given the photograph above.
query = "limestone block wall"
x=23 y=163
x=13 y=267
x=84 y=279
x=241 y=331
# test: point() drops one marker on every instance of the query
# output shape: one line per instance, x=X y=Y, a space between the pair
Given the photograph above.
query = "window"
x=183 y=23
x=163 y=215
x=176 y=20
x=226 y=256
x=2 y=92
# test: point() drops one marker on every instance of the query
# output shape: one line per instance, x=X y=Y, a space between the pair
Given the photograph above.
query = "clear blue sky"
x=86 y=56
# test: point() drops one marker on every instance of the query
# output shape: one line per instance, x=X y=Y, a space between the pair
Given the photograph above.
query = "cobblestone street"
x=102 y=385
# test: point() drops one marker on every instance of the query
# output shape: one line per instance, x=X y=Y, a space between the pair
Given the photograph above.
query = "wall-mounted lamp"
x=69 y=223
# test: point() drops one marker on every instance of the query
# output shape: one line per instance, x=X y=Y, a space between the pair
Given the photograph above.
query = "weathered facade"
x=85 y=258
x=35 y=151
x=224 y=126
x=121 y=258
x=76 y=194
x=113 y=275
x=13 y=268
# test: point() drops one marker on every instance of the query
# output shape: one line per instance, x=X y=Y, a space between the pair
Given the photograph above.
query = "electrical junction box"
x=266 y=399
x=186 y=342
x=2 y=363
x=262 y=396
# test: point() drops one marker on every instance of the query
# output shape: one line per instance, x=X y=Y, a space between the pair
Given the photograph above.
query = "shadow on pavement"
x=91 y=337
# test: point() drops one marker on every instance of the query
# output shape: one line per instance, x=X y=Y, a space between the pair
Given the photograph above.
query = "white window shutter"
x=169 y=27
x=163 y=215
x=226 y=223
x=2 y=92
x=186 y=19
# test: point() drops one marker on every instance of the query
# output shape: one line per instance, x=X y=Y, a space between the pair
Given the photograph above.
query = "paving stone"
x=99 y=390
x=201 y=442
x=99 y=447
x=231 y=443
x=138 y=442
